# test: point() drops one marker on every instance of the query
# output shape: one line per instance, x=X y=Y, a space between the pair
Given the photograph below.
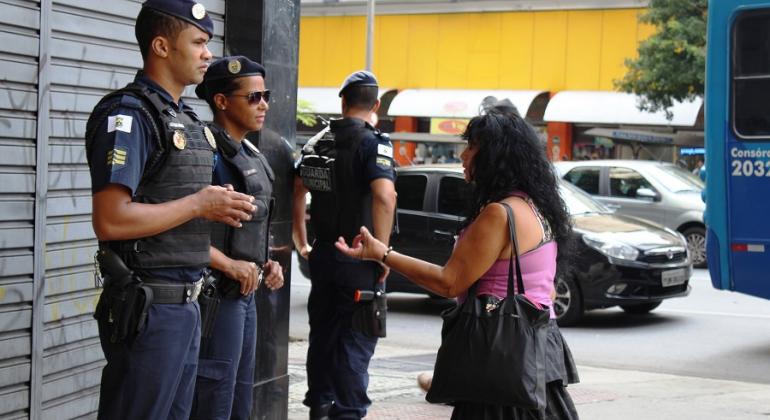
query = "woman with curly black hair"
x=506 y=163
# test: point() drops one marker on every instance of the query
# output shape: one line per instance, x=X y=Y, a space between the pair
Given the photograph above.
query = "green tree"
x=672 y=62
x=305 y=113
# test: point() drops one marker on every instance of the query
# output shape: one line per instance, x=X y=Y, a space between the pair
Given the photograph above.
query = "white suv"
x=657 y=191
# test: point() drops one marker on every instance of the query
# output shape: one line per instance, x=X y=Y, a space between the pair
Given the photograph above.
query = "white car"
x=658 y=191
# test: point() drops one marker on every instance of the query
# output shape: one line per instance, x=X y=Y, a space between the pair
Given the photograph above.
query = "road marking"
x=714 y=313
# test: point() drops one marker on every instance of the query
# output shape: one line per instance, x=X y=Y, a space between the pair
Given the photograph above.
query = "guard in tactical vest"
x=150 y=164
x=234 y=88
x=348 y=170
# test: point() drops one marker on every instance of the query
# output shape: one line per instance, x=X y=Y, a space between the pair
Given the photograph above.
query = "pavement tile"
x=603 y=394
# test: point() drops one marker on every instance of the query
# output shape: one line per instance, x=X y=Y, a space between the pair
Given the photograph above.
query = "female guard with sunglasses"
x=234 y=88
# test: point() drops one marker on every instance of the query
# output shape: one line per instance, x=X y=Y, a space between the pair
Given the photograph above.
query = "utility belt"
x=168 y=292
x=126 y=299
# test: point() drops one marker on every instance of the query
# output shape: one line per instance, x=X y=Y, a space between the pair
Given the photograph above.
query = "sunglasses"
x=255 y=97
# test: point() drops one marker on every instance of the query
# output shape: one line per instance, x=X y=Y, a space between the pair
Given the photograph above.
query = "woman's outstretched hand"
x=364 y=246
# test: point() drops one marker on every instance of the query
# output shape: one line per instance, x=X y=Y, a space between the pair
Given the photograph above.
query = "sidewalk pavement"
x=603 y=394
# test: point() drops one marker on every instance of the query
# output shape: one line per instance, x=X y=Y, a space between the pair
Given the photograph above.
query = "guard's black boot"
x=320 y=412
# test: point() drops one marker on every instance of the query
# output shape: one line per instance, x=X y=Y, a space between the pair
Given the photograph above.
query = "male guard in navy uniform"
x=349 y=173
x=151 y=167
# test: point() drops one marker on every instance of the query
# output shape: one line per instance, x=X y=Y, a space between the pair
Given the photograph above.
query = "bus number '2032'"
x=751 y=168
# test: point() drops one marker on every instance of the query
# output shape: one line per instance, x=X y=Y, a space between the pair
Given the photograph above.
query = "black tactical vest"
x=181 y=165
x=249 y=242
x=348 y=206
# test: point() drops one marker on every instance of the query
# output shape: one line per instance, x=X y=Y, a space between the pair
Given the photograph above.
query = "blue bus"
x=737 y=122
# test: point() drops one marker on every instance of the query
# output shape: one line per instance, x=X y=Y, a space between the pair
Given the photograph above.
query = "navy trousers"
x=226 y=365
x=154 y=378
x=338 y=357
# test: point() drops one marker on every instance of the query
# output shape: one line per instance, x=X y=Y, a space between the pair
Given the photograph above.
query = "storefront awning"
x=325 y=100
x=457 y=103
x=425 y=137
x=639 y=136
x=680 y=138
x=597 y=107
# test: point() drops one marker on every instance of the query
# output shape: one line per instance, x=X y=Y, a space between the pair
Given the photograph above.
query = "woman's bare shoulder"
x=519 y=205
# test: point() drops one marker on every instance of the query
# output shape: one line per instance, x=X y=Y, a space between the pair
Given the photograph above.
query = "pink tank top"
x=538 y=269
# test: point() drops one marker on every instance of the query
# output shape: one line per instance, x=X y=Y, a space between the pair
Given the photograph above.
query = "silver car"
x=661 y=192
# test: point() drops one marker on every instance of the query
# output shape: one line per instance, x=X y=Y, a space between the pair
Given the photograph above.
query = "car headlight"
x=611 y=247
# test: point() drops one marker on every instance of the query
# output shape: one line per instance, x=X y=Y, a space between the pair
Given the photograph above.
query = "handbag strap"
x=514 y=254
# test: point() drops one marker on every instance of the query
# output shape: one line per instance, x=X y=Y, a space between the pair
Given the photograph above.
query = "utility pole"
x=369 y=34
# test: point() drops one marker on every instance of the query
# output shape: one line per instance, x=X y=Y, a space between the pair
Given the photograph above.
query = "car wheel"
x=696 y=244
x=568 y=303
x=640 y=308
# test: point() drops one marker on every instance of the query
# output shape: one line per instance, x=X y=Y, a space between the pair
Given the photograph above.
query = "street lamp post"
x=369 y=34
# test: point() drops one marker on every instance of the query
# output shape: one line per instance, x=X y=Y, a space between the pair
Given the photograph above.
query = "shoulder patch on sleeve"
x=119 y=122
x=385 y=150
x=384 y=163
x=117 y=157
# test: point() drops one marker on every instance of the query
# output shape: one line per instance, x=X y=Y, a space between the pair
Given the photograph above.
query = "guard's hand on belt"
x=246 y=273
x=273 y=275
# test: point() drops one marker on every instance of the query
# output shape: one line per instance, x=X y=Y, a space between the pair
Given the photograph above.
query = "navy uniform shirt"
x=374 y=157
x=121 y=146
x=227 y=174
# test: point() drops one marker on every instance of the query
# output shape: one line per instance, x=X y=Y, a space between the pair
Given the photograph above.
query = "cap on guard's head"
x=359 y=78
x=230 y=67
x=187 y=10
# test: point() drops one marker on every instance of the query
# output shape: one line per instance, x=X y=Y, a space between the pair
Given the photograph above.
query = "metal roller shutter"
x=19 y=25
x=50 y=358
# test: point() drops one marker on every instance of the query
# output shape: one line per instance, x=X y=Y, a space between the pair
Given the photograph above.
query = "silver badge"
x=179 y=139
x=210 y=137
x=198 y=11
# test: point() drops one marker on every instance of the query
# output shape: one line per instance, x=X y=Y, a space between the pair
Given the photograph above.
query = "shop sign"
x=454 y=126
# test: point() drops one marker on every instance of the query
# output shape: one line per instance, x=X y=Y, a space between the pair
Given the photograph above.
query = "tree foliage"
x=305 y=113
x=672 y=62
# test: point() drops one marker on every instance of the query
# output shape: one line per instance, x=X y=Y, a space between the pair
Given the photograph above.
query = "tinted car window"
x=453 y=196
x=626 y=182
x=586 y=179
x=578 y=202
x=411 y=191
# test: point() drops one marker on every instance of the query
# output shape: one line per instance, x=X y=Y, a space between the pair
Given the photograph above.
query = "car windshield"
x=676 y=179
x=579 y=202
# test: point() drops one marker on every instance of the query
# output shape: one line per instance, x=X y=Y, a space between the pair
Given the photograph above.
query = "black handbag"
x=493 y=350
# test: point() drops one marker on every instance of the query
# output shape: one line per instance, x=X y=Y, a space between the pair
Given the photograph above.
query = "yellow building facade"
x=551 y=50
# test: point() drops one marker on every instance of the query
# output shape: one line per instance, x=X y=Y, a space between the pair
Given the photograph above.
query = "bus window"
x=751 y=78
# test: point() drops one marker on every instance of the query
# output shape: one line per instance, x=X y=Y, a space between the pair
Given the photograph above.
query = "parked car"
x=619 y=260
x=658 y=191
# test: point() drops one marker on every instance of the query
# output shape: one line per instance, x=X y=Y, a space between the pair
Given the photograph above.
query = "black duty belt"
x=164 y=291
